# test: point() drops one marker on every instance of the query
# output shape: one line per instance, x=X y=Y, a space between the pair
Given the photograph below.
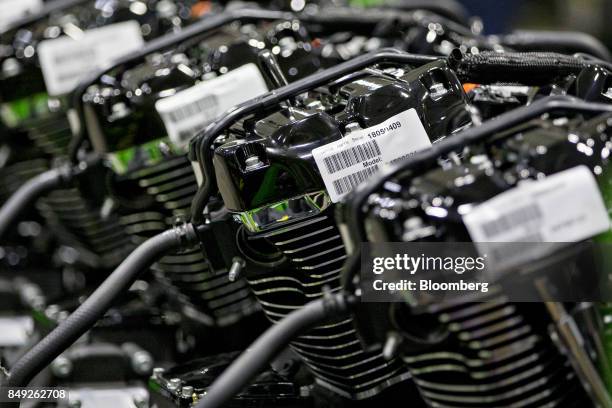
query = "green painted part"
x=151 y=152
x=153 y=386
x=16 y=112
x=42 y=319
x=366 y=3
x=604 y=362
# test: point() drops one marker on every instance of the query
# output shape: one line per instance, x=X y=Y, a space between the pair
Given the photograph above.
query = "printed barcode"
x=511 y=220
x=82 y=54
x=351 y=156
x=187 y=134
x=520 y=252
x=348 y=183
x=206 y=106
x=70 y=75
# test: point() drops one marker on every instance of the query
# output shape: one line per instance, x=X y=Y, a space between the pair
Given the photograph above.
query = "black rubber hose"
x=529 y=68
x=28 y=193
x=86 y=315
x=252 y=361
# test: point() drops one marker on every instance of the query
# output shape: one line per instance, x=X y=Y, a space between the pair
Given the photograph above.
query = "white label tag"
x=563 y=207
x=191 y=110
x=67 y=60
x=348 y=162
x=12 y=10
x=15 y=331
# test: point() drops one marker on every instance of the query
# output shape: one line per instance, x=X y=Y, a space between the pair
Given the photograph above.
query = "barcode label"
x=563 y=207
x=189 y=111
x=347 y=162
x=351 y=156
x=11 y=10
x=515 y=218
x=206 y=106
x=346 y=184
x=65 y=61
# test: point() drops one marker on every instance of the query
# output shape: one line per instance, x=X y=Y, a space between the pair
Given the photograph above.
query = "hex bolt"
x=142 y=362
x=351 y=127
x=237 y=265
x=253 y=162
x=37 y=302
x=187 y=391
x=61 y=367
x=174 y=384
x=158 y=372
x=140 y=359
x=52 y=312
x=475 y=115
x=437 y=91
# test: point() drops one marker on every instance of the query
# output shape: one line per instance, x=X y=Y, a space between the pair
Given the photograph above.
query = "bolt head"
x=52 y=312
x=158 y=372
x=187 y=391
x=174 y=384
x=253 y=162
x=142 y=362
x=61 y=367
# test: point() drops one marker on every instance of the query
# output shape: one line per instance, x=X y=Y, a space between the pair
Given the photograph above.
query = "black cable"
x=28 y=193
x=40 y=185
x=86 y=315
x=528 y=68
x=252 y=361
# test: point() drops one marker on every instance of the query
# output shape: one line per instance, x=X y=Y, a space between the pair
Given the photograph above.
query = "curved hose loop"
x=263 y=350
x=97 y=304
x=28 y=193
x=37 y=187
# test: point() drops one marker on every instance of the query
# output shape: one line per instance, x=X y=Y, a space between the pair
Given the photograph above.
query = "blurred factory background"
x=590 y=16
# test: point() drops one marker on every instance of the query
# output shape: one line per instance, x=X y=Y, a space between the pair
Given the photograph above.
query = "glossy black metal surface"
x=284 y=140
